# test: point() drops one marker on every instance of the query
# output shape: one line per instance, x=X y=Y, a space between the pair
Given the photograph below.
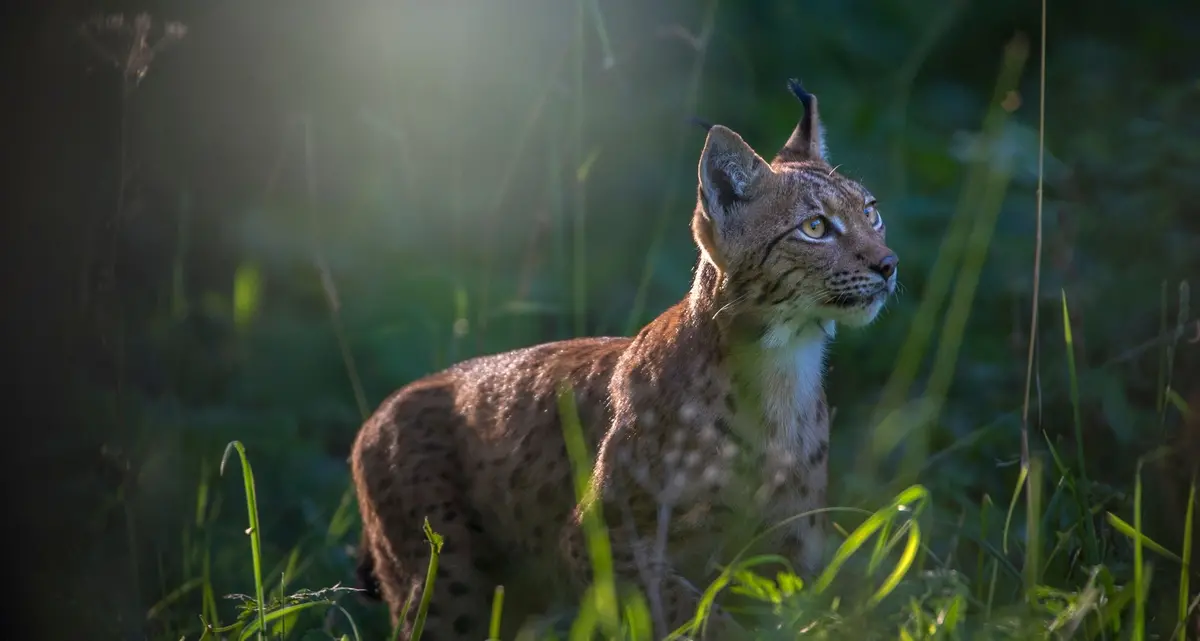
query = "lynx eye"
x=872 y=214
x=815 y=228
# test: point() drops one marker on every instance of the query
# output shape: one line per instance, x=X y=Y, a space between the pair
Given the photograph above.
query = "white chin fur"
x=858 y=316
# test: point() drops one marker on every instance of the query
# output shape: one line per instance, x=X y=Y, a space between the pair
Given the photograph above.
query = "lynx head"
x=791 y=240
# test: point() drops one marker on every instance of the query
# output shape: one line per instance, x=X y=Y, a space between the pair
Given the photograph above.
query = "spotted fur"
x=712 y=416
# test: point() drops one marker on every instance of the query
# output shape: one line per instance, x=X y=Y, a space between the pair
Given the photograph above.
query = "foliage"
x=348 y=198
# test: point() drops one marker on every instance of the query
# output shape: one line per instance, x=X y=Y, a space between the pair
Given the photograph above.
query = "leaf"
x=247 y=290
x=1129 y=531
x=915 y=494
x=436 y=540
x=255 y=625
x=789 y=584
x=1012 y=505
x=903 y=565
x=753 y=585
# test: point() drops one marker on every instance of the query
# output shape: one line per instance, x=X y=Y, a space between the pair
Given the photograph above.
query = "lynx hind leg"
x=632 y=564
x=405 y=470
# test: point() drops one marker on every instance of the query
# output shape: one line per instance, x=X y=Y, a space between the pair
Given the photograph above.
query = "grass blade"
x=435 y=549
x=902 y=566
x=497 y=609
x=1089 y=543
x=1033 y=543
x=253 y=530
x=258 y=624
x=1012 y=505
x=1175 y=399
x=915 y=495
x=1185 y=572
x=1139 y=578
x=983 y=529
x=604 y=596
x=173 y=597
x=1133 y=533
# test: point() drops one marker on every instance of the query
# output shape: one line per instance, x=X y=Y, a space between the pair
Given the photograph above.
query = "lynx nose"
x=886 y=266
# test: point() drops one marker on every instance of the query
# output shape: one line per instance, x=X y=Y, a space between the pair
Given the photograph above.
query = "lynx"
x=711 y=419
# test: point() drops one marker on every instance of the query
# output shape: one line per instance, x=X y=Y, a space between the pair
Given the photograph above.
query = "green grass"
x=894 y=588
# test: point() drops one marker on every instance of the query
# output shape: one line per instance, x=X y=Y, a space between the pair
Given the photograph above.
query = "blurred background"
x=258 y=219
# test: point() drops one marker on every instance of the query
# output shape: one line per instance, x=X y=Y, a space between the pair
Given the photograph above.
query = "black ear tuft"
x=703 y=124
x=797 y=89
x=807 y=141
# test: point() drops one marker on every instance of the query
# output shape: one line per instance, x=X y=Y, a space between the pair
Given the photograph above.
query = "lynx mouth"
x=847 y=300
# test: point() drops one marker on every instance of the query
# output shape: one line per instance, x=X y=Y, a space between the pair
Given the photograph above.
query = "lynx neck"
x=776 y=369
x=783 y=371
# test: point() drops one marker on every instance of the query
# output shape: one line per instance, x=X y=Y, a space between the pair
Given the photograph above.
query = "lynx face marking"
x=793 y=238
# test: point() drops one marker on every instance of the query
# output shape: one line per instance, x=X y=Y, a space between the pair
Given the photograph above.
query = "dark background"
x=448 y=168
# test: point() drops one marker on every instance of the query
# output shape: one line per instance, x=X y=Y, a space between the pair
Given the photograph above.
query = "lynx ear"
x=730 y=174
x=808 y=139
x=729 y=171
